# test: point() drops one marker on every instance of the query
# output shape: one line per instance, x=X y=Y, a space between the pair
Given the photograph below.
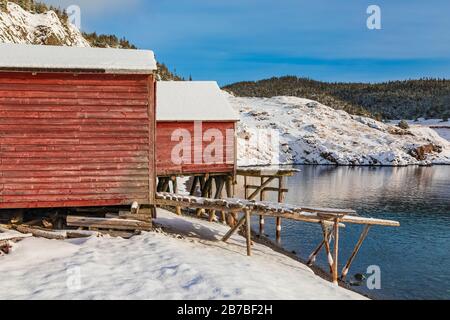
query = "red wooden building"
x=77 y=126
x=198 y=110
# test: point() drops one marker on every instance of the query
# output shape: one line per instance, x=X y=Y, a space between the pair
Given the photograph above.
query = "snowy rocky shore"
x=312 y=133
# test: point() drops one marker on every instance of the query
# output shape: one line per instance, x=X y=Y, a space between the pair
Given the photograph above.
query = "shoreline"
x=316 y=269
x=267 y=242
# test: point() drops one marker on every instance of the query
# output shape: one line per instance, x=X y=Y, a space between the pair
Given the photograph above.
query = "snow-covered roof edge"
x=193 y=101
x=24 y=56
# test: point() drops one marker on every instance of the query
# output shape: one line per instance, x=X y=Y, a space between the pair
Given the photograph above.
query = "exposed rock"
x=20 y=26
x=421 y=153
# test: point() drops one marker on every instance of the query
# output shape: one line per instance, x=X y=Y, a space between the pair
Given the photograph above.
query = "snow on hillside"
x=438 y=125
x=193 y=265
x=311 y=133
x=20 y=26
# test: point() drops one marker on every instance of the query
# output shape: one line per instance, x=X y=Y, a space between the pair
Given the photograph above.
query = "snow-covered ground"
x=311 y=133
x=193 y=265
x=20 y=26
x=438 y=125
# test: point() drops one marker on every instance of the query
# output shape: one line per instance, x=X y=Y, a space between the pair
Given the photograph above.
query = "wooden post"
x=327 y=239
x=261 y=218
x=248 y=231
x=245 y=188
x=175 y=190
x=195 y=182
x=229 y=187
x=206 y=188
x=220 y=183
x=280 y=200
x=336 y=252
x=355 y=251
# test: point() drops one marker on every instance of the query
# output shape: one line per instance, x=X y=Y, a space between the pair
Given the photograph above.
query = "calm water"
x=415 y=258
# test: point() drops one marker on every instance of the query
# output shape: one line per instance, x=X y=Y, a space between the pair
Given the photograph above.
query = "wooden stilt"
x=355 y=252
x=175 y=191
x=327 y=239
x=165 y=185
x=335 y=273
x=206 y=188
x=248 y=232
x=220 y=183
x=229 y=187
x=195 y=182
x=245 y=188
x=261 y=218
x=280 y=200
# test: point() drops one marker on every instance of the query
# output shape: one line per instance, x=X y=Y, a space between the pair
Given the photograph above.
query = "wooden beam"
x=248 y=221
x=234 y=229
x=40 y=233
x=103 y=223
x=257 y=191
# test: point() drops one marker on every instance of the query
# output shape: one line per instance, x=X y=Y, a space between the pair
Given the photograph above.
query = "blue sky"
x=237 y=40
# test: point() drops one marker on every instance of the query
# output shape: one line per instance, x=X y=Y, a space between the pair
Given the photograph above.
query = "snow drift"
x=194 y=264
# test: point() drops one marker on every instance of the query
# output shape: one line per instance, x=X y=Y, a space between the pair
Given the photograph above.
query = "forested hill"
x=429 y=98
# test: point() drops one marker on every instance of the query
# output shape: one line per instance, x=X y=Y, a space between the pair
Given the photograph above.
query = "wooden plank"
x=27 y=192
x=13 y=236
x=40 y=233
x=68 y=203
x=103 y=223
x=71 y=88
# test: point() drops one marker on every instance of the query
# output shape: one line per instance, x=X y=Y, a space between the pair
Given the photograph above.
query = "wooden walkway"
x=331 y=220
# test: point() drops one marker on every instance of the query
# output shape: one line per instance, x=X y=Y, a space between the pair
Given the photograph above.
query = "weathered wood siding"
x=76 y=140
x=164 y=164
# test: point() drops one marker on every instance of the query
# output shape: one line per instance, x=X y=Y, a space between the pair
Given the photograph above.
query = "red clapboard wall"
x=164 y=164
x=73 y=140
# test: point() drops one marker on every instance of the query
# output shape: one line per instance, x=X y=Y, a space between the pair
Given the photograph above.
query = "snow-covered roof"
x=30 y=57
x=192 y=101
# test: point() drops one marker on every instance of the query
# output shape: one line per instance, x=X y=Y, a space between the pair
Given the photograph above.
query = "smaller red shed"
x=196 y=129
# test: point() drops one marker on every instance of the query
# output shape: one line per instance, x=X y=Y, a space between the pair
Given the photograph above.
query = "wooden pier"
x=331 y=221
